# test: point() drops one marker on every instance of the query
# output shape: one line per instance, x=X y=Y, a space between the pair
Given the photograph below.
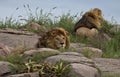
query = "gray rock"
x=72 y=53
x=115 y=28
x=14 y=31
x=77 y=45
x=36 y=74
x=80 y=70
x=14 y=40
x=108 y=66
x=41 y=50
x=35 y=26
x=90 y=52
x=5 y=50
x=5 y=68
x=70 y=59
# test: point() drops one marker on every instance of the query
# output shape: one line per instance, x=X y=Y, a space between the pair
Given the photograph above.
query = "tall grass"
x=67 y=21
x=9 y=22
x=112 y=47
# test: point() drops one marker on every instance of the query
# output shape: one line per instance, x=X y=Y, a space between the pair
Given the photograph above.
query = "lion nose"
x=61 y=43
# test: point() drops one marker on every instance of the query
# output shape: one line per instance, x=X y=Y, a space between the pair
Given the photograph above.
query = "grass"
x=60 y=69
x=67 y=21
x=20 y=60
x=111 y=49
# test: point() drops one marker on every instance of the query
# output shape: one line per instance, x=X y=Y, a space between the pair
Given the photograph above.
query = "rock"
x=40 y=51
x=36 y=74
x=106 y=37
x=5 y=50
x=5 y=68
x=115 y=28
x=90 y=52
x=15 y=31
x=77 y=45
x=14 y=40
x=70 y=58
x=72 y=53
x=108 y=66
x=35 y=26
x=80 y=70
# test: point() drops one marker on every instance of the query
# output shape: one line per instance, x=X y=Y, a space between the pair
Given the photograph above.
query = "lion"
x=90 y=23
x=56 y=38
x=86 y=32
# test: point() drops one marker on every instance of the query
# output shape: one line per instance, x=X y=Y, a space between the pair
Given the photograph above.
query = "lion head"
x=91 y=19
x=56 y=38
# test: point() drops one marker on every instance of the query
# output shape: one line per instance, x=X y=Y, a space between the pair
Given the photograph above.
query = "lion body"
x=56 y=38
x=91 y=21
x=86 y=32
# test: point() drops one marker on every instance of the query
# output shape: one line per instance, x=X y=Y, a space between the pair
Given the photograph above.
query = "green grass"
x=111 y=49
x=36 y=64
x=9 y=22
x=20 y=60
x=67 y=21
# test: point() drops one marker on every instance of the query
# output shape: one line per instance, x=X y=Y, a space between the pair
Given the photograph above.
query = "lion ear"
x=53 y=33
x=67 y=33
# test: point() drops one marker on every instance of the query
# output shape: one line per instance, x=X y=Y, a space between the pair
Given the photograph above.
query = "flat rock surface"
x=81 y=70
x=108 y=65
x=14 y=40
x=4 y=68
x=71 y=58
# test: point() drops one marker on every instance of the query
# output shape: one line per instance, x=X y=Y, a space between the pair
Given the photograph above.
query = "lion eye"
x=57 y=38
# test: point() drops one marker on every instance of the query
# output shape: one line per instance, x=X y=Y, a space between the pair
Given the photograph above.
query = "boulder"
x=40 y=51
x=80 y=70
x=77 y=45
x=5 y=50
x=90 y=52
x=72 y=53
x=71 y=58
x=108 y=66
x=36 y=74
x=35 y=26
x=115 y=28
x=5 y=68
x=17 y=40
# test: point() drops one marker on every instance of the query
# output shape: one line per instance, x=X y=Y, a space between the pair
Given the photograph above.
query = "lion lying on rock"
x=56 y=38
x=89 y=24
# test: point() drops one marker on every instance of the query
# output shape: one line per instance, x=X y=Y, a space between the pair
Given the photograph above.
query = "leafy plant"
x=48 y=70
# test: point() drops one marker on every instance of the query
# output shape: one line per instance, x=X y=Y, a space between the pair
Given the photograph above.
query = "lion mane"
x=55 y=38
x=91 y=20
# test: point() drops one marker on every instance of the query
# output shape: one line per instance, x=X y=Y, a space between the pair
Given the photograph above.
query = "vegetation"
x=27 y=64
x=67 y=21
x=111 y=49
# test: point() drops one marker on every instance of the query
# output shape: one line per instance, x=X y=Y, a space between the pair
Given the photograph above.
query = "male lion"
x=89 y=24
x=56 y=38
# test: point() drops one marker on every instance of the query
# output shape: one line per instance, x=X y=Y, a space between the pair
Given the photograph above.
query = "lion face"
x=57 y=42
x=57 y=38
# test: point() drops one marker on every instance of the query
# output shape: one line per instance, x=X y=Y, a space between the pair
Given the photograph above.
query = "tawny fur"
x=89 y=23
x=56 y=38
x=86 y=32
